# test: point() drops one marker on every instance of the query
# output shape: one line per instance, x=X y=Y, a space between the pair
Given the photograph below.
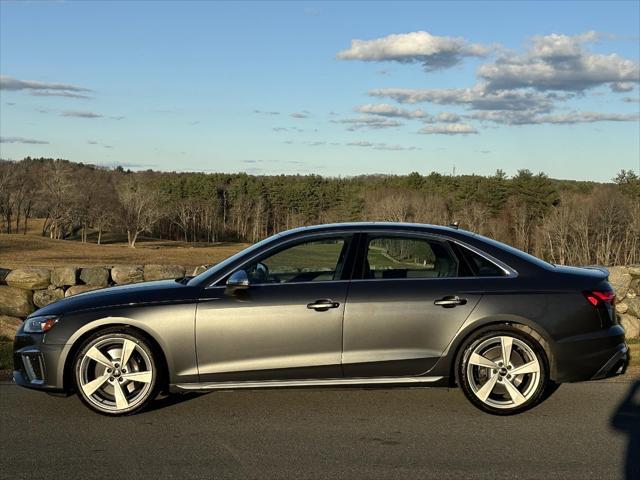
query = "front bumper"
x=37 y=364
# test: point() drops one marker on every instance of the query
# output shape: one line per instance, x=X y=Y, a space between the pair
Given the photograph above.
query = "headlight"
x=39 y=324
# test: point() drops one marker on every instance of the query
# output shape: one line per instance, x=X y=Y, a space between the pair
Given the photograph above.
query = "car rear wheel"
x=503 y=372
x=116 y=373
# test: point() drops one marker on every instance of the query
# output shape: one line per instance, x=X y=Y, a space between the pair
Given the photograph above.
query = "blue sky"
x=274 y=88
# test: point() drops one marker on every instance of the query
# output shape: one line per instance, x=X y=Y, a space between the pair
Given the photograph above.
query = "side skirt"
x=330 y=382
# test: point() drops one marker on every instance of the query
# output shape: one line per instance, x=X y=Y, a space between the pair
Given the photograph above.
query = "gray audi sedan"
x=353 y=304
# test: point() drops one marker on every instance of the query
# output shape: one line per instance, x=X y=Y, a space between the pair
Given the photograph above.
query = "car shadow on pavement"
x=172 y=399
x=626 y=420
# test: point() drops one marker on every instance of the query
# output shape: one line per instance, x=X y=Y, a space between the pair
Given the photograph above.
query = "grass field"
x=34 y=250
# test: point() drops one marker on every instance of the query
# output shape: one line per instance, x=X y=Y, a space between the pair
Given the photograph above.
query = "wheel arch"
x=67 y=370
x=519 y=323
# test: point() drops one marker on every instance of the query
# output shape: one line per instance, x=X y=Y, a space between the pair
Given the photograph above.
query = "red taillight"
x=600 y=297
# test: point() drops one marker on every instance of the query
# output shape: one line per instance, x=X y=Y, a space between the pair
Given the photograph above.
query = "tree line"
x=563 y=221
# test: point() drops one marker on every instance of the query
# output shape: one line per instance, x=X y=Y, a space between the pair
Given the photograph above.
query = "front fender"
x=170 y=326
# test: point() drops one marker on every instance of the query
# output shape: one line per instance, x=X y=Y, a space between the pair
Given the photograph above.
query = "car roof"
x=374 y=225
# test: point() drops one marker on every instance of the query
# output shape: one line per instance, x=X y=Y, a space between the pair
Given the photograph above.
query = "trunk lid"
x=592 y=271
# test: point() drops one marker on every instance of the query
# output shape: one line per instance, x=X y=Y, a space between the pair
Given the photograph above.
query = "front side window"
x=406 y=257
x=312 y=261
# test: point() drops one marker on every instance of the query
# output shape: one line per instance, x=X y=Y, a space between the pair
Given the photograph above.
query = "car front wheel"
x=116 y=372
x=503 y=372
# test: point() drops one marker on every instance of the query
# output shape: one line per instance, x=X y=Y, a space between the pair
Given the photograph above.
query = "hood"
x=162 y=291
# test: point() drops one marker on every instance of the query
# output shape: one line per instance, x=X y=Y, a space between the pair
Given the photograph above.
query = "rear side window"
x=391 y=257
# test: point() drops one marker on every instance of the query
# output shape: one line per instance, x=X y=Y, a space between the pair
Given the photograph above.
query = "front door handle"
x=450 y=301
x=323 y=305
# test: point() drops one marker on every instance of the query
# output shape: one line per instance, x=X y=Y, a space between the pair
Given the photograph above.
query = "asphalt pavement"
x=584 y=431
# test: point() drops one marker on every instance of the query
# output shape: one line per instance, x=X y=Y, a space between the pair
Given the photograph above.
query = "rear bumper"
x=591 y=356
x=616 y=365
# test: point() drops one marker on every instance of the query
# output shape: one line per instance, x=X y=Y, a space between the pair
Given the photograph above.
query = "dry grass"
x=634 y=347
x=33 y=250
x=17 y=250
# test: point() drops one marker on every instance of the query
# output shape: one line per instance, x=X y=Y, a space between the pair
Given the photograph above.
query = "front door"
x=406 y=307
x=287 y=324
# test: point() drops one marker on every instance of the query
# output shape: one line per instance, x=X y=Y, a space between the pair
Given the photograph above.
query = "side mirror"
x=238 y=280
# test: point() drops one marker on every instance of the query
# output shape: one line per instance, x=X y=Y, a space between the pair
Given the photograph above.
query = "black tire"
x=142 y=357
x=537 y=386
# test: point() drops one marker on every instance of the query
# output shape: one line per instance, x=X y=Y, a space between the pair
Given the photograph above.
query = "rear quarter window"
x=481 y=266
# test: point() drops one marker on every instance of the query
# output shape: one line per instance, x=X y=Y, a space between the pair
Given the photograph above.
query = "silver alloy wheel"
x=115 y=374
x=503 y=372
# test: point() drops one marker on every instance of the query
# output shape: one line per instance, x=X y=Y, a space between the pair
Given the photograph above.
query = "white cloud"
x=48 y=93
x=514 y=89
x=22 y=140
x=476 y=97
x=559 y=62
x=386 y=110
x=447 y=117
x=449 y=129
x=622 y=86
x=360 y=143
x=586 y=117
x=262 y=112
x=303 y=114
x=375 y=122
x=432 y=51
x=10 y=83
x=80 y=114
x=528 y=118
x=379 y=146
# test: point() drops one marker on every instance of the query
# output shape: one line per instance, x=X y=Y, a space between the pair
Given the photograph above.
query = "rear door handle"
x=450 y=301
x=323 y=305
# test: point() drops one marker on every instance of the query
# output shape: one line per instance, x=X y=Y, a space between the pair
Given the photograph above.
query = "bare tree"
x=58 y=187
x=7 y=173
x=429 y=208
x=388 y=205
x=183 y=215
x=140 y=205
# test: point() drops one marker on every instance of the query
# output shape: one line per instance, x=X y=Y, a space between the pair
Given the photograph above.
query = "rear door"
x=405 y=306
x=287 y=324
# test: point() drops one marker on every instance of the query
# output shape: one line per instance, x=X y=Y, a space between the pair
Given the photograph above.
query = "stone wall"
x=24 y=290
x=626 y=283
